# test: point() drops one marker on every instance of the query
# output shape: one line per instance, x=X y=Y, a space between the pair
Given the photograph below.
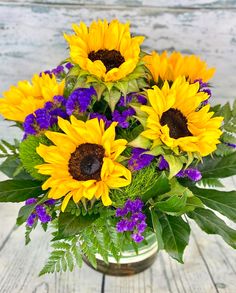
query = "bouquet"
x=118 y=144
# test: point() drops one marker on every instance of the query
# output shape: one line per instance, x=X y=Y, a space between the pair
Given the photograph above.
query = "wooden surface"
x=31 y=41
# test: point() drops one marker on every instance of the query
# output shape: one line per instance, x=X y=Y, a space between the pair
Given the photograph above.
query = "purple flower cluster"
x=99 y=117
x=204 y=87
x=133 y=219
x=46 y=117
x=192 y=173
x=132 y=97
x=139 y=160
x=122 y=115
x=232 y=145
x=79 y=100
x=40 y=211
x=59 y=70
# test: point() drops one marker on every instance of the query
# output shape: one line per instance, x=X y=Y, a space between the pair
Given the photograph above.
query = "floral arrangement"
x=118 y=143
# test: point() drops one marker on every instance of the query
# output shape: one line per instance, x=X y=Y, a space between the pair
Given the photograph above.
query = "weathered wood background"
x=31 y=41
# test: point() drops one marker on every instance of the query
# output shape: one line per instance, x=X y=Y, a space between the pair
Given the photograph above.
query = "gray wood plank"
x=31 y=37
x=140 y=3
x=20 y=265
x=167 y=275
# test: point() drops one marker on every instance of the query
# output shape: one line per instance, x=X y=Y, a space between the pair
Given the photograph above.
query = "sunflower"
x=104 y=49
x=171 y=67
x=82 y=162
x=175 y=119
x=23 y=99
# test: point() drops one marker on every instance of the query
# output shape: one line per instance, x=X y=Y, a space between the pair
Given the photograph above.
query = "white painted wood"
x=140 y=3
x=31 y=41
x=20 y=265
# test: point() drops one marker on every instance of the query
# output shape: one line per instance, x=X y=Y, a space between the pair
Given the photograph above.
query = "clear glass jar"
x=130 y=263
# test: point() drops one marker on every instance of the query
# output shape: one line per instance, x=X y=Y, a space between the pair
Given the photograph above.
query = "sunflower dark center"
x=86 y=162
x=110 y=58
x=176 y=122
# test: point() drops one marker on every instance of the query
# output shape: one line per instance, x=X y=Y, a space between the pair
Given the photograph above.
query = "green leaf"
x=160 y=186
x=174 y=204
x=19 y=190
x=211 y=182
x=13 y=168
x=69 y=225
x=222 y=201
x=211 y=224
x=226 y=112
x=175 y=233
x=77 y=255
x=175 y=164
x=69 y=260
x=30 y=158
x=218 y=167
x=157 y=228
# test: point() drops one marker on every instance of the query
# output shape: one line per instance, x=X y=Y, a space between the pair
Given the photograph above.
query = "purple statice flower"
x=122 y=117
x=204 y=87
x=232 y=145
x=69 y=65
x=163 y=164
x=132 y=97
x=133 y=219
x=30 y=201
x=42 y=214
x=58 y=71
x=40 y=211
x=192 y=173
x=139 y=160
x=31 y=220
x=137 y=237
x=46 y=117
x=99 y=117
x=50 y=202
x=79 y=100
x=46 y=72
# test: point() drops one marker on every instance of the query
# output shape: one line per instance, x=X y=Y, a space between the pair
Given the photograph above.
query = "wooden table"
x=31 y=41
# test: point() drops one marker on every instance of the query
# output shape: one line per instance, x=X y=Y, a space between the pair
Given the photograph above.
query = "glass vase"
x=130 y=263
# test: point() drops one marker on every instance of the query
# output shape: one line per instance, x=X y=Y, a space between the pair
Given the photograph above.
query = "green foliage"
x=175 y=235
x=28 y=231
x=29 y=156
x=161 y=185
x=64 y=256
x=70 y=225
x=222 y=201
x=210 y=182
x=13 y=168
x=100 y=237
x=211 y=224
x=173 y=205
x=157 y=228
x=218 y=167
x=228 y=128
x=175 y=164
x=141 y=182
x=7 y=149
x=19 y=190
